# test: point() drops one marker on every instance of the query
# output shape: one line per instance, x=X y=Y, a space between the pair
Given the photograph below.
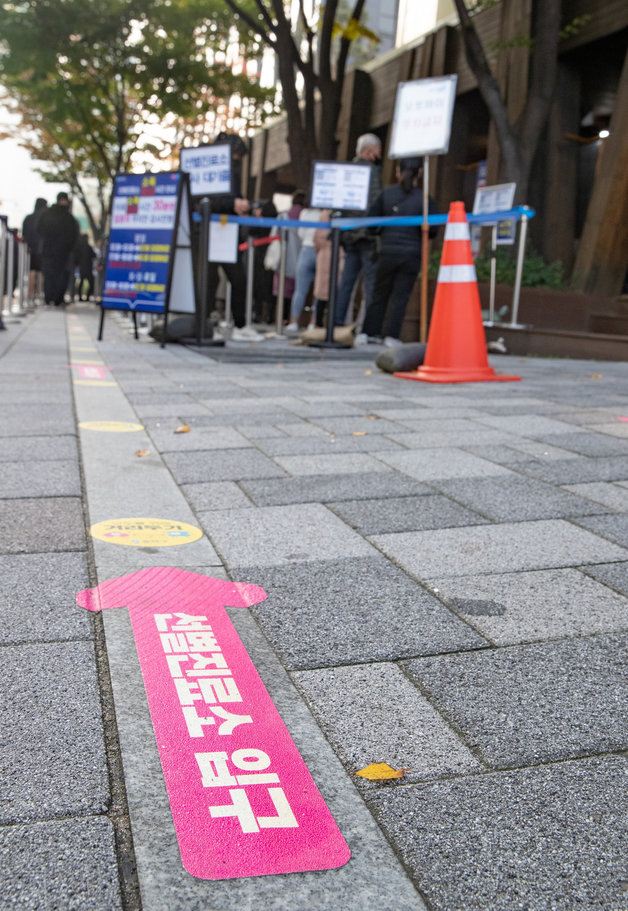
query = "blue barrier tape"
x=346 y=223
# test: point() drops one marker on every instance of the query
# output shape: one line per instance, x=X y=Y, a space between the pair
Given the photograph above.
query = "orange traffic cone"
x=456 y=344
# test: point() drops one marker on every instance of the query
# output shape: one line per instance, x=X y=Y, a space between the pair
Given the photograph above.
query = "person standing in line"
x=293 y=247
x=323 y=247
x=30 y=233
x=85 y=256
x=306 y=268
x=263 y=303
x=359 y=245
x=399 y=262
x=59 y=232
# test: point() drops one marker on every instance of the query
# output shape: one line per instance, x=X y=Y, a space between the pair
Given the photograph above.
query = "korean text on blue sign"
x=143 y=223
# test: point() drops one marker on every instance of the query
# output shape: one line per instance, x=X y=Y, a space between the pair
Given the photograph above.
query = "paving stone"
x=310 y=446
x=372 y=517
x=589 y=444
x=613 y=574
x=546 y=839
x=44 y=420
x=332 y=488
x=372 y=713
x=516 y=499
x=69 y=864
x=229 y=465
x=511 y=455
x=432 y=464
x=276 y=535
x=445 y=424
x=41 y=525
x=215 y=495
x=613 y=496
x=37 y=593
x=528 y=704
x=49 y=699
x=40 y=479
x=302 y=429
x=436 y=440
x=332 y=464
x=509 y=547
x=357 y=424
x=527 y=425
x=44 y=449
x=346 y=611
x=578 y=471
x=615 y=528
x=199 y=438
x=511 y=608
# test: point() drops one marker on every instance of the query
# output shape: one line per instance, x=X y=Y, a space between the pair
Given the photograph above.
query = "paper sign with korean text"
x=422 y=117
x=209 y=167
x=341 y=186
x=243 y=801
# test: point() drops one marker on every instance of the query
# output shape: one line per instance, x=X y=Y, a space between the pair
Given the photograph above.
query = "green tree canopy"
x=105 y=86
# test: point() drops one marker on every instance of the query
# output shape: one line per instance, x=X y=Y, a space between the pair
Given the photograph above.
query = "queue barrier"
x=520 y=214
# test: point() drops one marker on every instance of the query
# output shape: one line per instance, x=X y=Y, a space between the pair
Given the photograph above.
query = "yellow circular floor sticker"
x=111 y=426
x=145 y=532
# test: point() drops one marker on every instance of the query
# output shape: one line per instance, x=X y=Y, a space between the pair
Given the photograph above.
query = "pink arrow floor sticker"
x=242 y=799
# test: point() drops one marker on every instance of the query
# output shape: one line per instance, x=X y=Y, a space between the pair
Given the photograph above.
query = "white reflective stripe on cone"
x=457 y=274
x=457 y=230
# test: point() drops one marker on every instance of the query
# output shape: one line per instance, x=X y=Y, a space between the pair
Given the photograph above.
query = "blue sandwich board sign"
x=149 y=256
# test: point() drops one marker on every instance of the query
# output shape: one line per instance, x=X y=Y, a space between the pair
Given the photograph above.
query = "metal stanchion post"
x=3 y=269
x=22 y=276
x=331 y=304
x=249 y=284
x=519 y=273
x=203 y=270
x=491 y=302
x=10 y=270
x=282 y=280
x=203 y=281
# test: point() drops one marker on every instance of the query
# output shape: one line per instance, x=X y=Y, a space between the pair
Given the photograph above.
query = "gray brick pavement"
x=446 y=569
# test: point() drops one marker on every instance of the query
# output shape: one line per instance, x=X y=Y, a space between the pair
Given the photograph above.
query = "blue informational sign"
x=142 y=242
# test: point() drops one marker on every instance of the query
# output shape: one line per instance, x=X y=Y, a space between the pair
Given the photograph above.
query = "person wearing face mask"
x=360 y=245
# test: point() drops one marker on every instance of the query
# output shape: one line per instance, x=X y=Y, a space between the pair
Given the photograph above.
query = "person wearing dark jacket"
x=399 y=260
x=231 y=204
x=84 y=258
x=358 y=244
x=30 y=233
x=59 y=231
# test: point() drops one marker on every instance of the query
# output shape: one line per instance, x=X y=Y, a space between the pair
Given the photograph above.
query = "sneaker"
x=390 y=342
x=291 y=329
x=497 y=347
x=375 y=339
x=246 y=335
x=360 y=339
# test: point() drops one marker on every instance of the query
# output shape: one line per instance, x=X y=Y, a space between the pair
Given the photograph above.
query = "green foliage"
x=536 y=272
x=103 y=86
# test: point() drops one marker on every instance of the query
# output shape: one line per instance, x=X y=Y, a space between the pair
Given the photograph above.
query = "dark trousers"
x=236 y=277
x=394 y=280
x=56 y=278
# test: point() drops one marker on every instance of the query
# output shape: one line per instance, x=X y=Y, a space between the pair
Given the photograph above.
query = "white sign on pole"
x=223 y=242
x=498 y=198
x=340 y=186
x=422 y=117
x=209 y=168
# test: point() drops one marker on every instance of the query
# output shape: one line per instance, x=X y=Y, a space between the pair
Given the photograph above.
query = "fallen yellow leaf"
x=597 y=376
x=184 y=428
x=381 y=771
x=367 y=372
x=359 y=433
x=142 y=452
